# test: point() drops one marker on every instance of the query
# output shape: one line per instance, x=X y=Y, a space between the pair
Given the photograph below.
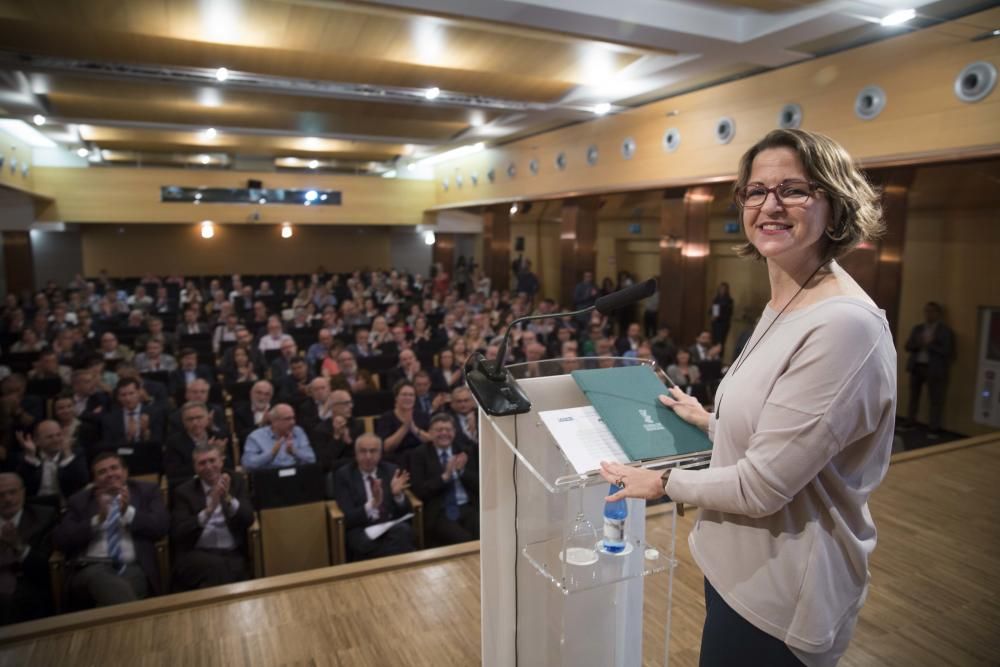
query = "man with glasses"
x=332 y=439
x=281 y=444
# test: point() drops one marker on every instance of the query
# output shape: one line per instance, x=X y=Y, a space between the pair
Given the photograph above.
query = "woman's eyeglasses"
x=788 y=193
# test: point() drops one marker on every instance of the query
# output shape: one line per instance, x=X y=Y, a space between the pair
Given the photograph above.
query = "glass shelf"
x=640 y=559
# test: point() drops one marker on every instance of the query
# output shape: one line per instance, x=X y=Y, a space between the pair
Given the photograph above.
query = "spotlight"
x=602 y=108
x=429 y=237
x=207 y=229
x=286 y=230
x=210 y=133
x=513 y=209
x=262 y=200
x=311 y=195
x=204 y=159
x=197 y=196
x=322 y=197
x=221 y=74
x=82 y=152
x=432 y=93
x=898 y=17
x=313 y=164
x=38 y=119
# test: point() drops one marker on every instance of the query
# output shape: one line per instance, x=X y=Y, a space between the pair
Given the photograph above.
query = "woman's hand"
x=686 y=407
x=633 y=482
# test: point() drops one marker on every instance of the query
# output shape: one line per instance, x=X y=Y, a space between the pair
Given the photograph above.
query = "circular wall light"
x=790 y=116
x=628 y=148
x=975 y=81
x=869 y=103
x=671 y=139
x=592 y=155
x=561 y=161
x=725 y=130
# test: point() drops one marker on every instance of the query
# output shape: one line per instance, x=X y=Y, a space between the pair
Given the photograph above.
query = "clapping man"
x=209 y=522
x=197 y=430
x=281 y=444
x=25 y=547
x=371 y=491
x=49 y=465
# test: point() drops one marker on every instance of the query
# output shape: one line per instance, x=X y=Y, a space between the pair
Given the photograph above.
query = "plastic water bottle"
x=614 y=523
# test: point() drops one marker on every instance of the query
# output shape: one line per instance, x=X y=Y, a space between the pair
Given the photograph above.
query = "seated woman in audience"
x=685 y=374
x=380 y=333
x=29 y=342
x=460 y=349
x=448 y=375
x=474 y=339
x=241 y=370
x=403 y=428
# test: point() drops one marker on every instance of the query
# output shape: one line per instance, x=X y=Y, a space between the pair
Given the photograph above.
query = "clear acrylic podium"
x=537 y=608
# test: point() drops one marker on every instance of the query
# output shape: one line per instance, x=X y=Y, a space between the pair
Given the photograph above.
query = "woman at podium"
x=802 y=425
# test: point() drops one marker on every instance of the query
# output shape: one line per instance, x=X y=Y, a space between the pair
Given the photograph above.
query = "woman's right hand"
x=686 y=407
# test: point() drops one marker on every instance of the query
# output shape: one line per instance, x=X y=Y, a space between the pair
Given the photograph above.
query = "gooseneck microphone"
x=492 y=385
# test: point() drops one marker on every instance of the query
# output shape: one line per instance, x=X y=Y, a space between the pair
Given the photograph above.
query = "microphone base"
x=497 y=398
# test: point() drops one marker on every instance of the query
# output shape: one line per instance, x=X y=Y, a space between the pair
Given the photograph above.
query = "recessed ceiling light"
x=197 y=196
x=38 y=119
x=210 y=133
x=204 y=159
x=207 y=229
x=602 y=108
x=429 y=237
x=432 y=93
x=311 y=195
x=262 y=200
x=513 y=209
x=286 y=230
x=221 y=74
x=322 y=197
x=898 y=17
x=82 y=152
x=313 y=164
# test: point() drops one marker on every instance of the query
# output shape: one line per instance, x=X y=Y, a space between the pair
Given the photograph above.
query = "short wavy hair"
x=855 y=204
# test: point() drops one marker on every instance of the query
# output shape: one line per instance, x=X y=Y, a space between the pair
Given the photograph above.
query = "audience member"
x=403 y=428
x=351 y=377
x=722 y=315
x=130 y=421
x=446 y=477
x=371 y=491
x=332 y=439
x=154 y=359
x=931 y=345
x=108 y=535
x=280 y=444
x=49 y=464
x=275 y=336
x=208 y=524
x=196 y=429
x=253 y=414
x=187 y=372
x=25 y=547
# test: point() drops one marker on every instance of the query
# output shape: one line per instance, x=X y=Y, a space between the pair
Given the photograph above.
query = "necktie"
x=470 y=426
x=450 y=499
x=133 y=422
x=114 y=529
x=370 y=479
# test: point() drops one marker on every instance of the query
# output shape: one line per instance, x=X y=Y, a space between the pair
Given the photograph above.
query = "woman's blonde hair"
x=855 y=205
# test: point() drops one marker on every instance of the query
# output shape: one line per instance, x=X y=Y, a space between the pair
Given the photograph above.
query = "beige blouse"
x=802 y=439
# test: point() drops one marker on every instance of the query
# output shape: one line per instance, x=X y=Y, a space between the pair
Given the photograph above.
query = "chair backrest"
x=143 y=458
x=283 y=487
x=294 y=538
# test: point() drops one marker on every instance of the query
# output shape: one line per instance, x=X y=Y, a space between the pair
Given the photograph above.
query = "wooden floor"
x=934 y=599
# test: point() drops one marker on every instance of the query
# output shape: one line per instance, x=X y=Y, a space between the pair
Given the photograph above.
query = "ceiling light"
x=513 y=209
x=82 y=152
x=412 y=166
x=602 y=108
x=204 y=159
x=26 y=133
x=322 y=197
x=197 y=196
x=898 y=17
x=432 y=93
x=207 y=229
x=262 y=200
x=210 y=133
x=452 y=154
x=38 y=119
x=221 y=74
x=389 y=174
x=311 y=195
x=429 y=237
x=286 y=230
x=307 y=202
x=313 y=164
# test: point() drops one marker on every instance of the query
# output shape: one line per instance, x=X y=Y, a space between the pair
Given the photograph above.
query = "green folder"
x=626 y=398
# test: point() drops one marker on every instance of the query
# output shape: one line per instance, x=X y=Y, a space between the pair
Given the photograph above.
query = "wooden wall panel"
x=123 y=195
x=496 y=246
x=443 y=251
x=577 y=244
x=133 y=250
x=923 y=118
x=19 y=268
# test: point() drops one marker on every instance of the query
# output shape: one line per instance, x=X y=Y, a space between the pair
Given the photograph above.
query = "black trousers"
x=729 y=640
x=936 y=387
x=465 y=529
x=202 y=568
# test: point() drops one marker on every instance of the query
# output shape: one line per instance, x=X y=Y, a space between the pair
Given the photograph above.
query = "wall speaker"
x=561 y=161
x=869 y=102
x=628 y=148
x=975 y=81
x=511 y=170
x=533 y=166
x=671 y=139
x=790 y=117
x=592 y=155
x=725 y=130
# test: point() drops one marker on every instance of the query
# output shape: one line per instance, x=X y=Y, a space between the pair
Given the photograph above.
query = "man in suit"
x=282 y=364
x=88 y=399
x=154 y=359
x=248 y=416
x=332 y=439
x=156 y=332
x=209 y=522
x=187 y=372
x=446 y=478
x=130 y=421
x=932 y=347
x=50 y=466
x=370 y=491
x=463 y=407
x=316 y=408
x=191 y=325
x=109 y=533
x=630 y=341
x=198 y=392
x=25 y=547
x=196 y=429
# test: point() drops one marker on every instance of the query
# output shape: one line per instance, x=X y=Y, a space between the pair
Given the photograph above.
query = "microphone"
x=492 y=385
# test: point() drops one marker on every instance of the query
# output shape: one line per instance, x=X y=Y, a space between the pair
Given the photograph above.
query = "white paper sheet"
x=583 y=437
x=377 y=530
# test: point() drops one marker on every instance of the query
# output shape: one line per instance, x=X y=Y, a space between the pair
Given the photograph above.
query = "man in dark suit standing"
x=932 y=347
x=369 y=492
x=25 y=547
x=109 y=533
x=209 y=522
x=50 y=466
x=446 y=478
